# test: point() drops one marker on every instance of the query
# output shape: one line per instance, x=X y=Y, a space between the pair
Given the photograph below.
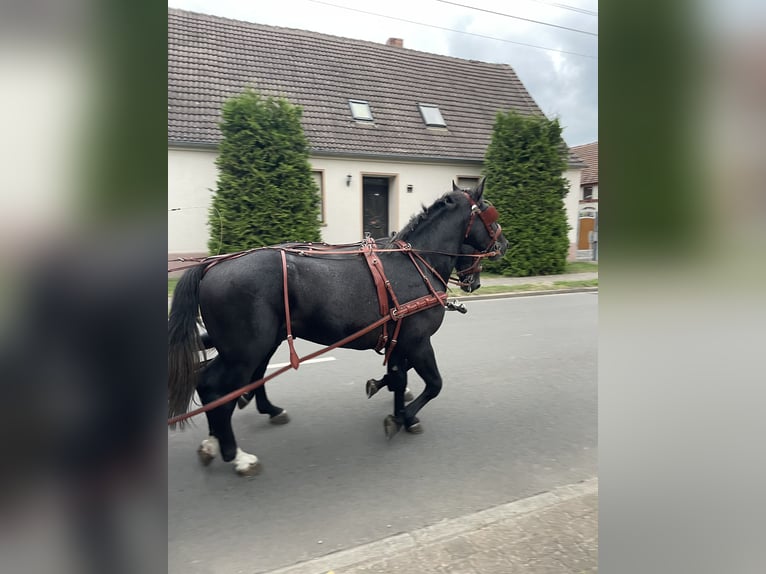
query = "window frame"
x=320 y=182
x=473 y=178
x=422 y=107
x=351 y=103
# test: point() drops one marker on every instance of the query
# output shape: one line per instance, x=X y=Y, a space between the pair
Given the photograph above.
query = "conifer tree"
x=524 y=166
x=265 y=193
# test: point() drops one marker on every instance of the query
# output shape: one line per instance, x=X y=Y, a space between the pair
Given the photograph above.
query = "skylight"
x=360 y=110
x=432 y=116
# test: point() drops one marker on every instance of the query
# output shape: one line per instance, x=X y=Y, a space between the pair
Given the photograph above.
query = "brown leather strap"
x=376 y=270
x=294 y=360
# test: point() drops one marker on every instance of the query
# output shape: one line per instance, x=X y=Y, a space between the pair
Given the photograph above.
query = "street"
x=517 y=416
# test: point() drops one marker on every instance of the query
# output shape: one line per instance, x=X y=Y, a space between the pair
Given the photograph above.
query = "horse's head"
x=468 y=270
x=483 y=232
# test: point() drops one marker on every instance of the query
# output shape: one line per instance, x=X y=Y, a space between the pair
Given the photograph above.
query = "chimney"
x=397 y=42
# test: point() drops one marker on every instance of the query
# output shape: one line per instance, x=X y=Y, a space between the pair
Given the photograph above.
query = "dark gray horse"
x=330 y=297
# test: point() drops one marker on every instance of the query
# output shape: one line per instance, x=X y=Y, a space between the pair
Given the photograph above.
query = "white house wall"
x=192 y=175
x=343 y=203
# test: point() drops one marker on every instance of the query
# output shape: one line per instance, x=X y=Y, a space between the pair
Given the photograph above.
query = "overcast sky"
x=564 y=85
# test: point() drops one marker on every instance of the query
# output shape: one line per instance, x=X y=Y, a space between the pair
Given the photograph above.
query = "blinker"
x=489 y=215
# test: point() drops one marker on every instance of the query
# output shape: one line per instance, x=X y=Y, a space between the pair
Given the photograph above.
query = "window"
x=467 y=182
x=587 y=193
x=432 y=116
x=319 y=180
x=360 y=110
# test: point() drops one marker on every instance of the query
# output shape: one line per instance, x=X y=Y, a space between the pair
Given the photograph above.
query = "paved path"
x=553 y=532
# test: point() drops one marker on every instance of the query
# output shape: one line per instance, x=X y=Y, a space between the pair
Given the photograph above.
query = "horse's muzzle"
x=500 y=247
x=470 y=282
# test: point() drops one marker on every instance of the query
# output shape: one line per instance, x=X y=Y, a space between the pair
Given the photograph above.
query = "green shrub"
x=265 y=193
x=524 y=166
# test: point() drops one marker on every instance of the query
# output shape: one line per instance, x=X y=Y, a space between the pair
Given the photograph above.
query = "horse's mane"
x=425 y=214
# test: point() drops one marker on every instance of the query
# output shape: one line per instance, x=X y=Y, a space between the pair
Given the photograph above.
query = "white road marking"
x=309 y=362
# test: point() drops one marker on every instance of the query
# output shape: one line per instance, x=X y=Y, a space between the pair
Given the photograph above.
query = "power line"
x=518 y=18
x=453 y=30
x=565 y=7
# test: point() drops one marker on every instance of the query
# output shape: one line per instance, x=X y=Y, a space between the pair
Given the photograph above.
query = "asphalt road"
x=517 y=416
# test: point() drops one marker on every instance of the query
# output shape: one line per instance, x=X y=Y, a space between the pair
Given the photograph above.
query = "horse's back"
x=330 y=297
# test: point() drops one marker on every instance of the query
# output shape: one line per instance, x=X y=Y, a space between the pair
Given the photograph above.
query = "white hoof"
x=208 y=450
x=246 y=464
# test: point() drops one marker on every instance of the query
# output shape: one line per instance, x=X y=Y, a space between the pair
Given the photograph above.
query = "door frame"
x=393 y=199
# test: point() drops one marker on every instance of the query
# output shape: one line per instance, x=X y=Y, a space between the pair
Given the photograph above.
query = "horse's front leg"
x=374 y=385
x=396 y=379
x=422 y=359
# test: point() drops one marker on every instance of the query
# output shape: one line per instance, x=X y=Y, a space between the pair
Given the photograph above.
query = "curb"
x=439 y=532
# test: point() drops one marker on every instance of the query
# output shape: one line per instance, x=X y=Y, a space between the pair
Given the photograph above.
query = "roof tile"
x=589 y=154
x=211 y=59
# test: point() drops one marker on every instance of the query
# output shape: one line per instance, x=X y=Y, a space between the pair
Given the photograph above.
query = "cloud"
x=564 y=85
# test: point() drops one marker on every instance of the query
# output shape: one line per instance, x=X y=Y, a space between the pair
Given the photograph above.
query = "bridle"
x=488 y=217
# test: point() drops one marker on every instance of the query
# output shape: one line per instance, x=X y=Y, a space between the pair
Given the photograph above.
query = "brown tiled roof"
x=589 y=154
x=211 y=59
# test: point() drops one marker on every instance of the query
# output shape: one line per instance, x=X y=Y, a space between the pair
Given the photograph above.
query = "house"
x=389 y=128
x=588 y=195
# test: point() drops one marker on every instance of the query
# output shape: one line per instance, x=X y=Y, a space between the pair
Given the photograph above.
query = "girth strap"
x=294 y=360
x=376 y=270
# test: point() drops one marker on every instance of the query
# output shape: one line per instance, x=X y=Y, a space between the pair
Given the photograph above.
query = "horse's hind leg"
x=217 y=380
x=277 y=415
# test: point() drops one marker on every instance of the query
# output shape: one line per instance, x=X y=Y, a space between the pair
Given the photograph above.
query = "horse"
x=468 y=271
x=252 y=302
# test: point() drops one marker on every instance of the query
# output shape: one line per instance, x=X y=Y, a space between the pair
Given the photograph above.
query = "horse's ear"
x=479 y=191
x=455 y=187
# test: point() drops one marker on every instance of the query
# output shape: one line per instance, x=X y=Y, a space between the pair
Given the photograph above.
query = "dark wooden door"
x=375 y=206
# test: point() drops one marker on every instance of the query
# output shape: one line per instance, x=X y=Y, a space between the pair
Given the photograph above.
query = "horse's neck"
x=436 y=240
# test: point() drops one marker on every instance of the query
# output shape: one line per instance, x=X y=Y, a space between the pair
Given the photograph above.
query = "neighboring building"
x=588 y=198
x=389 y=128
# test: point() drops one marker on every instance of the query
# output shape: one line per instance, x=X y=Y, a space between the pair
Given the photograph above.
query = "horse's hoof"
x=280 y=419
x=415 y=428
x=246 y=464
x=408 y=396
x=208 y=450
x=391 y=426
x=372 y=387
x=244 y=400
x=205 y=457
x=249 y=470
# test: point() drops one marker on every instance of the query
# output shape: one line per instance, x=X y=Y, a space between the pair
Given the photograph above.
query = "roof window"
x=360 y=110
x=432 y=116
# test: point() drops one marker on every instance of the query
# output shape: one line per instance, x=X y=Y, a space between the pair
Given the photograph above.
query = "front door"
x=375 y=206
x=587 y=224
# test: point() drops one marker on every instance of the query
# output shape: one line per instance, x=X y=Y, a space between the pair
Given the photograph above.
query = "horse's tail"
x=183 y=342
